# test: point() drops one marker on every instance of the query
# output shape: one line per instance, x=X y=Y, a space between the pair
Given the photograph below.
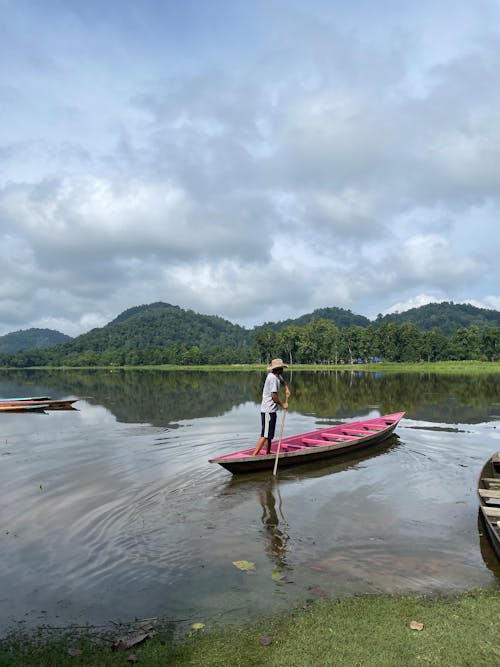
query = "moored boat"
x=39 y=407
x=488 y=490
x=24 y=398
x=51 y=404
x=320 y=444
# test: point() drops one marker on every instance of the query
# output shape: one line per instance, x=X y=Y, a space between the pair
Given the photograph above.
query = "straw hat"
x=276 y=363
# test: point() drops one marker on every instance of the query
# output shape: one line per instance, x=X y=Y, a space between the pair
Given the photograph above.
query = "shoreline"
x=413 y=629
x=437 y=367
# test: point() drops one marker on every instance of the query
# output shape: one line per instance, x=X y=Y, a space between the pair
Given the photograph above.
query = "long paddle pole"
x=279 y=443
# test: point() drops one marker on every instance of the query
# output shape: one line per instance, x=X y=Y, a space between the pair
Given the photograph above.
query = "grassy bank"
x=371 y=630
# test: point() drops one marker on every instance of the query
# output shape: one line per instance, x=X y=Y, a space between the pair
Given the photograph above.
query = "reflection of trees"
x=155 y=397
x=163 y=397
x=431 y=397
x=274 y=527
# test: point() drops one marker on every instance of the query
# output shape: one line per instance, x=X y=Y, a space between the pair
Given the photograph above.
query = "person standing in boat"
x=270 y=403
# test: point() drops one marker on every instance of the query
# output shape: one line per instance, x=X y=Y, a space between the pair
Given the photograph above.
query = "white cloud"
x=329 y=155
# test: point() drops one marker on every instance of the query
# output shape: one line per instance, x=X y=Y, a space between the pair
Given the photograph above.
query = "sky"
x=252 y=160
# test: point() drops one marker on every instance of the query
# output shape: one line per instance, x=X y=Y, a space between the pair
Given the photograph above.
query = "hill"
x=447 y=316
x=161 y=325
x=31 y=339
x=339 y=316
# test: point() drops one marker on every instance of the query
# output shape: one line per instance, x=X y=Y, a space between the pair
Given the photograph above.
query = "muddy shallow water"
x=112 y=512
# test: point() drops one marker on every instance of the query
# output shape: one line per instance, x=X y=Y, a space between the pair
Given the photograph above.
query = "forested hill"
x=446 y=316
x=339 y=316
x=162 y=333
x=31 y=339
x=161 y=325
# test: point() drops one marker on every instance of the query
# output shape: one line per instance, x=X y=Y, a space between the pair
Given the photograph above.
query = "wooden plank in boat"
x=491 y=511
x=491 y=480
x=489 y=493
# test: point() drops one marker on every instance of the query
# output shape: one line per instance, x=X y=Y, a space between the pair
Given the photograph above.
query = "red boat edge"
x=319 y=444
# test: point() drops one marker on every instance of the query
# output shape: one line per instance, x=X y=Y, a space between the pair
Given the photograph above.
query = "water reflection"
x=275 y=524
x=110 y=510
x=163 y=398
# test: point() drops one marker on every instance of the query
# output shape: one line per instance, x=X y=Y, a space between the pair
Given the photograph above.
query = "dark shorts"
x=268 y=424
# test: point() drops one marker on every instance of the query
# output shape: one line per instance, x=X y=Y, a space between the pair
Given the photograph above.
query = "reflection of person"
x=278 y=538
x=270 y=402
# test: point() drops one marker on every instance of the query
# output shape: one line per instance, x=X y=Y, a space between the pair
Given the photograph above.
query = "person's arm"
x=288 y=393
x=276 y=399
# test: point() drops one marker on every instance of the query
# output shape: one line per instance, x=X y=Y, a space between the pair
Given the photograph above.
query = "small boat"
x=39 y=407
x=320 y=444
x=488 y=490
x=25 y=398
x=51 y=404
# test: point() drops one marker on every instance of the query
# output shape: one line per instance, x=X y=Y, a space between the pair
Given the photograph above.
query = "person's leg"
x=270 y=431
x=259 y=445
x=265 y=421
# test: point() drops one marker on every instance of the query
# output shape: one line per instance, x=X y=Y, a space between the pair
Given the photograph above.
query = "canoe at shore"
x=51 y=404
x=24 y=398
x=320 y=444
x=488 y=490
x=39 y=407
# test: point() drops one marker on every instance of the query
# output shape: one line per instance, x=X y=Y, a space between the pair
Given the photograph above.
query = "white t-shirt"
x=272 y=384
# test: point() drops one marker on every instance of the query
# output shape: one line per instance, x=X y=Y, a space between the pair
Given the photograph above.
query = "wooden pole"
x=279 y=443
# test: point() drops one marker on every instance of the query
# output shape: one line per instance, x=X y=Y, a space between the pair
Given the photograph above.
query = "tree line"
x=317 y=342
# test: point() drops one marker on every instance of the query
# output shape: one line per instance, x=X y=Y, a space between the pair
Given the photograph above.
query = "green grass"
x=366 y=630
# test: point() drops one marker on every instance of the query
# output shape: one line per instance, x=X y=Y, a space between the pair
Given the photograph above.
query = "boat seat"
x=338 y=436
x=313 y=441
x=491 y=511
x=360 y=431
x=489 y=493
x=491 y=480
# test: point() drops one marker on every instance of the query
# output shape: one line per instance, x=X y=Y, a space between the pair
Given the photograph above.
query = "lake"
x=112 y=512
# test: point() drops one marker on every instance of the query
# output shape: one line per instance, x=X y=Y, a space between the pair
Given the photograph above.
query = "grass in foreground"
x=368 y=630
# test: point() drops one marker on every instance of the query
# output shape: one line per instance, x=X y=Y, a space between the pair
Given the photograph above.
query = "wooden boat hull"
x=488 y=490
x=24 y=398
x=39 y=407
x=320 y=444
x=56 y=404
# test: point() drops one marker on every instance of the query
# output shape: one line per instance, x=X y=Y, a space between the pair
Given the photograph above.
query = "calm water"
x=112 y=512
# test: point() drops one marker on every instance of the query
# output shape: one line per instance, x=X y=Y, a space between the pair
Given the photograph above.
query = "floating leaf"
x=278 y=575
x=198 y=626
x=244 y=565
x=318 y=592
x=415 y=625
x=265 y=640
x=124 y=643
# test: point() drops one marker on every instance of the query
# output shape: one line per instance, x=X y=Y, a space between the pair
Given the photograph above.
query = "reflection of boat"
x=320 y=444
x=488 y=489
x=57 y=404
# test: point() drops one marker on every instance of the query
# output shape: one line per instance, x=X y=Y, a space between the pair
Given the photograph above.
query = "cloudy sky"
x=254 y=160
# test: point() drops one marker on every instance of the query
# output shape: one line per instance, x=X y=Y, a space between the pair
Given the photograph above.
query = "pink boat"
x=320 y=444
